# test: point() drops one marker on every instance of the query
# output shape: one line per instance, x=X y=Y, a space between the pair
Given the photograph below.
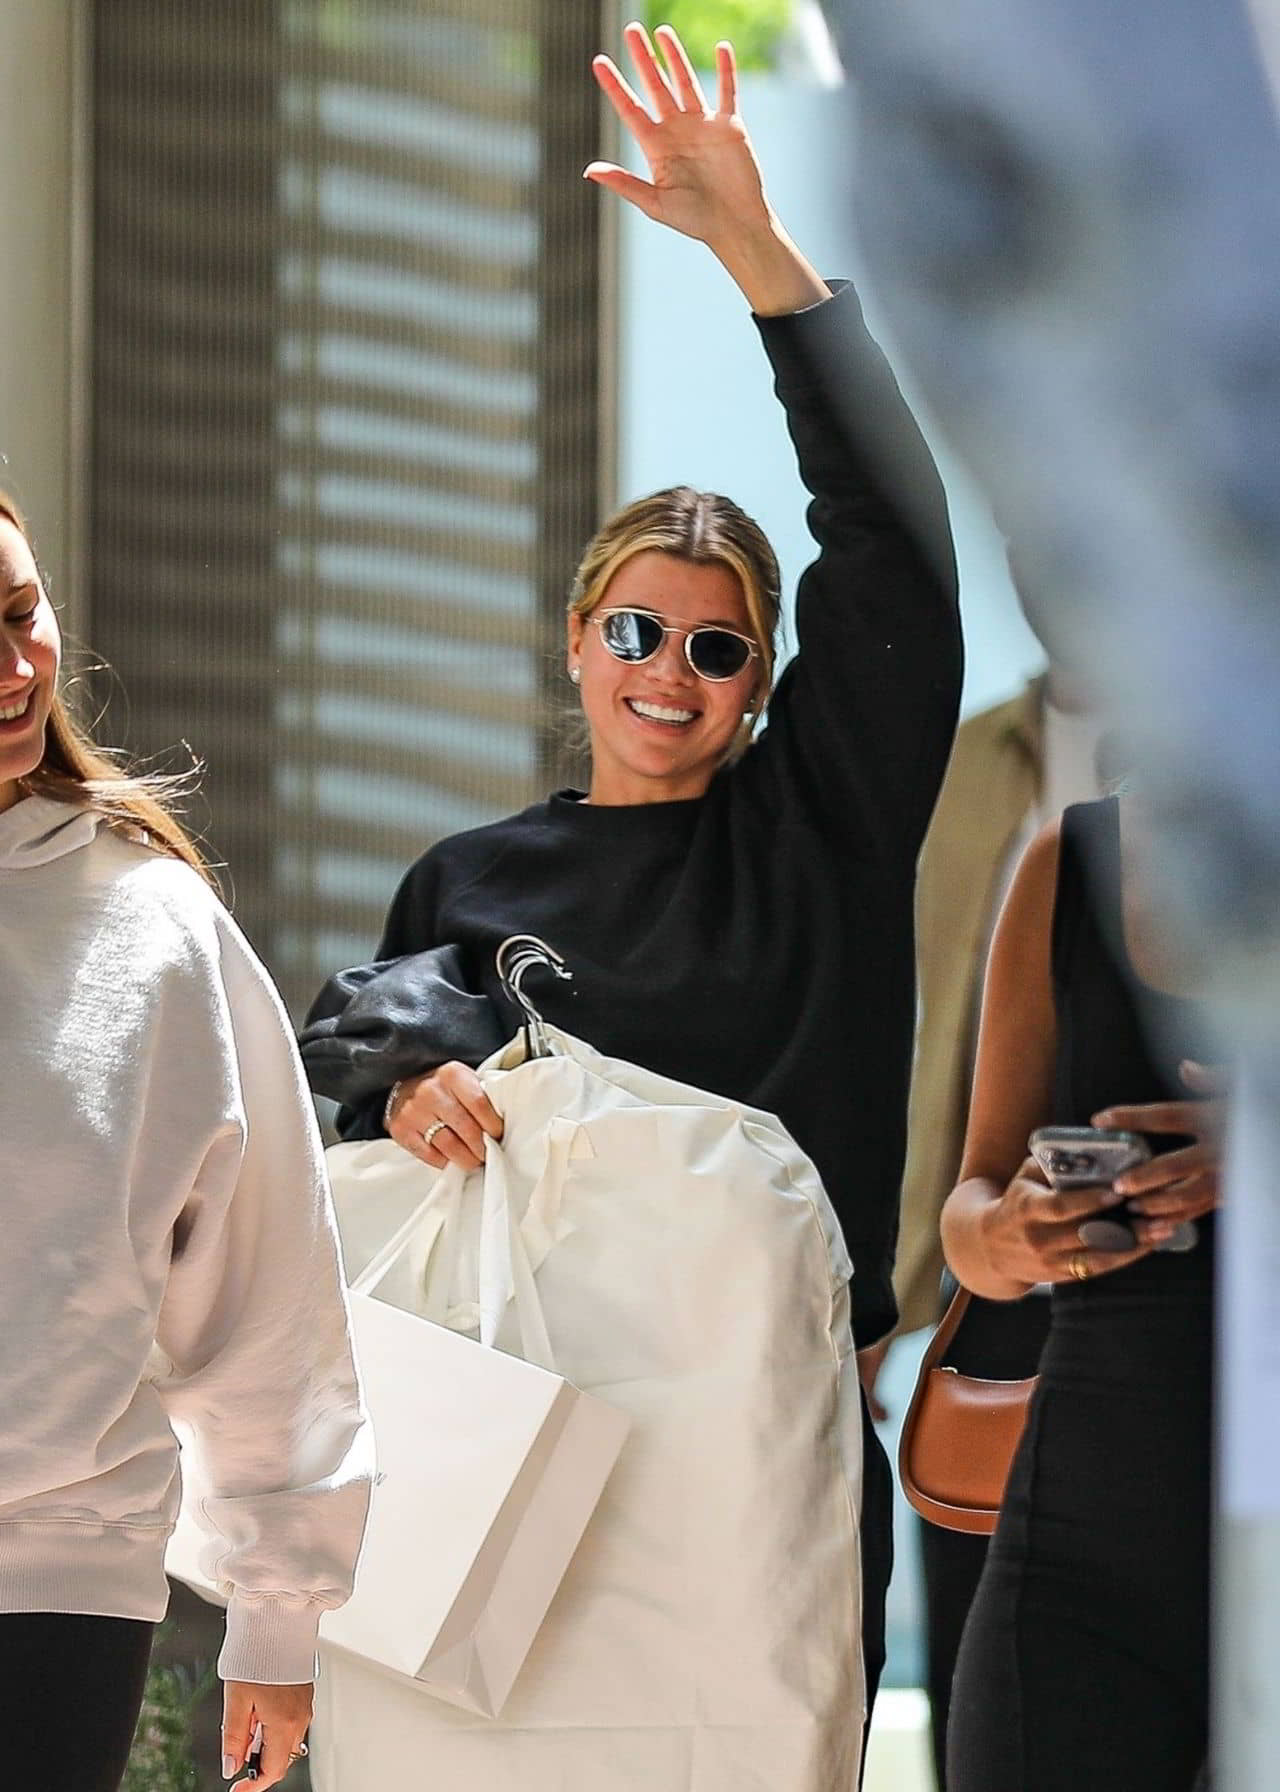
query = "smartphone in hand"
x=1082 y=1156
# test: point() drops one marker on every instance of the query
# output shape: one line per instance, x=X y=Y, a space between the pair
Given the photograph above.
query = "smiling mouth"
x=10 y=712
x=660 y=712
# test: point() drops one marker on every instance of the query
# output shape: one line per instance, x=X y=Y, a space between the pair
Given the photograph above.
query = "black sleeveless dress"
x=1085 y=1658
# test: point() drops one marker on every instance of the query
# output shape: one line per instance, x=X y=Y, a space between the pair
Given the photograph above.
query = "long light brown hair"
x=706 y=530
x=74 y=770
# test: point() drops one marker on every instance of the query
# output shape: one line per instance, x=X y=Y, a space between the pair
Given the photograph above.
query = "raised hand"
x=704 y=178
x=706 y=182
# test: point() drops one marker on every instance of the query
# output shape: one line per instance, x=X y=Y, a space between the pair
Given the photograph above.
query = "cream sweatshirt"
x=168 y=1267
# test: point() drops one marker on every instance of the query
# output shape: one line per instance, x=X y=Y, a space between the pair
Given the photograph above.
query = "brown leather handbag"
x=959 y=1437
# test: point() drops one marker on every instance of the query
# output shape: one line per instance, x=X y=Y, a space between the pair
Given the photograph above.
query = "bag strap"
x=947 y=1328
x=944 y=1332
x=429 y=1218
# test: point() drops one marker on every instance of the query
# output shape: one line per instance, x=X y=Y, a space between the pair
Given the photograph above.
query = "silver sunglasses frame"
x=671 y=628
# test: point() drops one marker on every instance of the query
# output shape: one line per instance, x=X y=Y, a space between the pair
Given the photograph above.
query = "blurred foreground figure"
x=1074 y=212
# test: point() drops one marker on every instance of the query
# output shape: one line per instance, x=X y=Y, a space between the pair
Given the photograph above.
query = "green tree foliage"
x=161 y=1757
x=753 y=27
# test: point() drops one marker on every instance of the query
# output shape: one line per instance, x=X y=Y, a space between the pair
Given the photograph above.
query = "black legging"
x=70 y=1692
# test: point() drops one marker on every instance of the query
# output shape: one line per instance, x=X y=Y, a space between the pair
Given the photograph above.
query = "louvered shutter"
x=346 y=448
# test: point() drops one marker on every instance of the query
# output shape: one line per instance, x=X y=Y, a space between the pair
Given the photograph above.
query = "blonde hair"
x=74 y=770
x=706 y=530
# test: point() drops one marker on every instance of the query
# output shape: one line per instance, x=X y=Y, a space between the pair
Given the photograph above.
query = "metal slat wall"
x=346 y=397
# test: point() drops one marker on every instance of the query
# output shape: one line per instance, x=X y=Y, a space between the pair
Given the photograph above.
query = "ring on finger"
x=1079 y=1266
x=299 y=1753
x=436 y=1126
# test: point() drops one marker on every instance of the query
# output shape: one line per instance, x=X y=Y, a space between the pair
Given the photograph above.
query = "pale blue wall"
x=695 y=398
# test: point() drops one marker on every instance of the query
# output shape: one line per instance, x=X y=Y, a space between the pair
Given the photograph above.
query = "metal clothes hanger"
x=514 y=959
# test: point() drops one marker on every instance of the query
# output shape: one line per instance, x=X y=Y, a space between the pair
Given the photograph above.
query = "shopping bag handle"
x=424 y=1227
x=510 y=1251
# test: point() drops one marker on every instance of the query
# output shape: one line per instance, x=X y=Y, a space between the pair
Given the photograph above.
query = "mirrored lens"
x=631 y=635
x=715 y=653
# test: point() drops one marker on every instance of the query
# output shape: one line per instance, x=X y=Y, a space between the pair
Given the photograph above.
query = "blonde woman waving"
x=733 y=889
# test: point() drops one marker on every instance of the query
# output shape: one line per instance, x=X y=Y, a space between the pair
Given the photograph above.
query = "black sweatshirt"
x=756 y=941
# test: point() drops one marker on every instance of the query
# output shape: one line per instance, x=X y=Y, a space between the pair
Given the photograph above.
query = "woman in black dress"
x=1085 y=1656
x=734 y=902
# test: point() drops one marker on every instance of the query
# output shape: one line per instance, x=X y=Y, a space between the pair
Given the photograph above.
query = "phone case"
x=1081 y=1156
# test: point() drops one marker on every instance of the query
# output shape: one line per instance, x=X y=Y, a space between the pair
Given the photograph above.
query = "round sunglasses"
x=716 y=654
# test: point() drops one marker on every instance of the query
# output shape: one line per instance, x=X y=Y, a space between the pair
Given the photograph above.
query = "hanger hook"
x=514 y=959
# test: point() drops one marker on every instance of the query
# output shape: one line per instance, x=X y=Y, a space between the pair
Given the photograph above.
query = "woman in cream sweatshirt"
x=169 y=1268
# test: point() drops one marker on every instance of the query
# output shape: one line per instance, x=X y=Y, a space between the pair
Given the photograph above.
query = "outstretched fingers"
x=726 y=81
x=688 y=88
x=620 y=94
x=626 y=185
x=652 y=75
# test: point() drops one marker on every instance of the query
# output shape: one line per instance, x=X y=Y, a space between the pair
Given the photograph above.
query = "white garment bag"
x=690 y=1273
x=490 y=1464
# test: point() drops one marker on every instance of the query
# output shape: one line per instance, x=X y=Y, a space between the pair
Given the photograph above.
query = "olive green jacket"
x=992 y=781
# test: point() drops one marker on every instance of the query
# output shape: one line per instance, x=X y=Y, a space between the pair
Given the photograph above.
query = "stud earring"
x=575 y=675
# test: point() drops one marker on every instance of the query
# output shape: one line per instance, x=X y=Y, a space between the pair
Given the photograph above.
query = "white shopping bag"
x=490 y=1465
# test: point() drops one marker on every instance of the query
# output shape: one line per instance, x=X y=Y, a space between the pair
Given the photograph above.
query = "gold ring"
x=1079 y=1267
x=298 y=1753
x=435 y=1127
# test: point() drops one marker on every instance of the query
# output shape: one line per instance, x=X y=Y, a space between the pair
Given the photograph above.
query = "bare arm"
x=1003 y=1228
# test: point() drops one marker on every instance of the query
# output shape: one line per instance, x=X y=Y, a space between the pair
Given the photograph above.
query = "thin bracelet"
x=386 y=1112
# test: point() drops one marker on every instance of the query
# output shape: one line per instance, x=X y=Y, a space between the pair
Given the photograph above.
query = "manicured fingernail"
x=228 y=1767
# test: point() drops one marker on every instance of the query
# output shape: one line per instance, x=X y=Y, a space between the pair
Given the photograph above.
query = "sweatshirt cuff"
x=799 y=342
x=271 y=1639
